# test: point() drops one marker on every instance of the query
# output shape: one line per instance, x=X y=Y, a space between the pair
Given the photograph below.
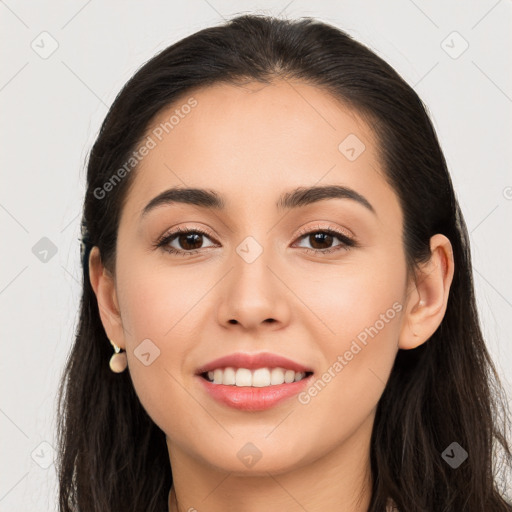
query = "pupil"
x=186 y=239
x=318 y=236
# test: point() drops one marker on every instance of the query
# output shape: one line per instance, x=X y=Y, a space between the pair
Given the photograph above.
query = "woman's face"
x=255 y=283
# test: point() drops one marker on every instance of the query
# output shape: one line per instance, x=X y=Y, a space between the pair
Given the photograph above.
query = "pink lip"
x=253 y=399
x=253 y=361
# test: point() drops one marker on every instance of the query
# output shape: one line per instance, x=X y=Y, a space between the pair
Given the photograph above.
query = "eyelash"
x=346 y=242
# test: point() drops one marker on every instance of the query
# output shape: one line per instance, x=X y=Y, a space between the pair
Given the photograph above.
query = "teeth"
x=243 y=377
x=258 y=378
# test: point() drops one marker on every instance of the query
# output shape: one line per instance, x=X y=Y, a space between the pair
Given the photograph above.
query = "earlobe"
x=103 y=284
x=428 y=299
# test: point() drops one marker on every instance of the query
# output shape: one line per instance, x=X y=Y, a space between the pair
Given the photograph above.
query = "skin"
x=250 y=144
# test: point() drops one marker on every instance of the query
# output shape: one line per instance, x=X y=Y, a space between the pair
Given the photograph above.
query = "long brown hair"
x=111 y=454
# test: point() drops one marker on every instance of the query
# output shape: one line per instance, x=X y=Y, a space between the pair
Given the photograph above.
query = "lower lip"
x=251 y=398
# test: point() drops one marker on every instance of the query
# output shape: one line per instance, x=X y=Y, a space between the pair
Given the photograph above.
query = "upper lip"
x=253 y=361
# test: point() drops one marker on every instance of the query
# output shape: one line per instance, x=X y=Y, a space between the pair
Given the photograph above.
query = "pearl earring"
x=118 y=361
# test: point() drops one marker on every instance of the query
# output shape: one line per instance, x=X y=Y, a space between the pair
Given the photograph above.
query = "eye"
x=326 y=236
x=189 y=240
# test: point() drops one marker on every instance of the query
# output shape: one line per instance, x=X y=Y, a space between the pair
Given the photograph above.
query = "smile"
x=255 y=391
x=258 y=378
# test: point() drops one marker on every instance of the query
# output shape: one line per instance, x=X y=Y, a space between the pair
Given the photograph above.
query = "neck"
x=337 y=480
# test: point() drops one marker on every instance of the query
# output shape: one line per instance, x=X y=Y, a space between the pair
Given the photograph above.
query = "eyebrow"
x=301 y=196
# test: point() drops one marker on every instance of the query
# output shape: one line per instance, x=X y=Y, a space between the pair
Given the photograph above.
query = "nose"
x=253 y=296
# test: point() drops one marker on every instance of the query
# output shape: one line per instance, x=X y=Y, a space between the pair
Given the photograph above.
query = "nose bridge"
x=251 y=272
x=253 y=294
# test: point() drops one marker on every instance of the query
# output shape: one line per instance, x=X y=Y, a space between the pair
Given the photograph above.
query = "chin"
x=254 y=458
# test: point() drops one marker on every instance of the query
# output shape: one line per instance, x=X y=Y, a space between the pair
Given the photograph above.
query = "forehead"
x=255 y=140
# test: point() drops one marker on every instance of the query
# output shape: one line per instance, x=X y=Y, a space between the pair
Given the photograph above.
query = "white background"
x=52 y=109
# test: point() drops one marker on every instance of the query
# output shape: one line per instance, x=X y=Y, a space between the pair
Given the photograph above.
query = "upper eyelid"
x=313 y=229
x=301 y=233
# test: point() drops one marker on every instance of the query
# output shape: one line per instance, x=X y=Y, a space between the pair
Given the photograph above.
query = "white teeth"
x=259 y=378
x=276 y=376
x=243 y=377
x=217 y=376
x=289 y=376
x=229 y=376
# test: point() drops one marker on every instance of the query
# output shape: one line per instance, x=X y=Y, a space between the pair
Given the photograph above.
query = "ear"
x=103 y=284
x=427 y=297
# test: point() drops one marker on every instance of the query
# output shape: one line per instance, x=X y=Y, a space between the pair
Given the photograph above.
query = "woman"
x=278 y=270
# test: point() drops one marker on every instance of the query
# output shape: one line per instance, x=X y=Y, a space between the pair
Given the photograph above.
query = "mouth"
x=253 y=390
x=253 y=382
x=254 y=378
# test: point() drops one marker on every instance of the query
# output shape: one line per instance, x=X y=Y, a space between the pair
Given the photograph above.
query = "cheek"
x=157 y=303
x=361 y=293
x=362 y=310
x=357 y=365
x=157 y=308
